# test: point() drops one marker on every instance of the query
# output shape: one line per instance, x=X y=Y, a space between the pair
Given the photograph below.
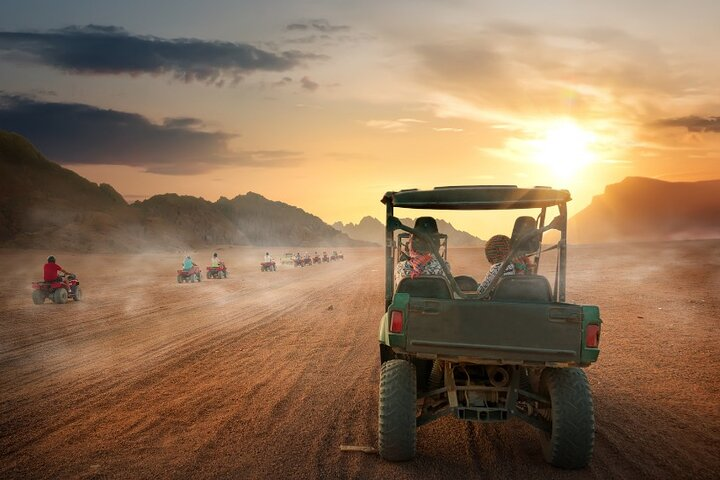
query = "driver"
x=268 y=258
x=51 y=269
x=421 y=260
x=188 y=264
x=215 y=262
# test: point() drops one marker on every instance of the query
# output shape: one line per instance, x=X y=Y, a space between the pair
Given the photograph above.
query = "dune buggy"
x=58 y=291
x=515 y=350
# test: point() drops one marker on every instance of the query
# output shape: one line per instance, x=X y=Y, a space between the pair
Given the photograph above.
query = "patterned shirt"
x=492 y=273
x=404 y=269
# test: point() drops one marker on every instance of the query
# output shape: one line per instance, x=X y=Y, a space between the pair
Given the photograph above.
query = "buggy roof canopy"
x=478 y=197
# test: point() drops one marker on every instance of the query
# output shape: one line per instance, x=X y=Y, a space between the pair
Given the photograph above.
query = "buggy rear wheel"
x=38 y=297
x=60 y=295
x=570 y=443
x=397 y=427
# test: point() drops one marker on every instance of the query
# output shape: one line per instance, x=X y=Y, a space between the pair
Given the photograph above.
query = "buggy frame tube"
x=562 y=253
x=389 y=261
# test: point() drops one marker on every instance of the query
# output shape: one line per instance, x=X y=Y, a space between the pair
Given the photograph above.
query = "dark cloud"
x=693 y=123
x=182 y=122
x=319 y=25
x=96 y=49
x=308 y=84
x=73 y=133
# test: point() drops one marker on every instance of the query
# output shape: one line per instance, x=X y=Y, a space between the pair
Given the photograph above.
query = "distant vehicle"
x=193 y=275
x=317 y=259
x=67 y=287
x=333 y=257
x=267 y=267
x=287 y=259
x=515 y=350
x=218 y=272
x=325 y=257
x=340 y=256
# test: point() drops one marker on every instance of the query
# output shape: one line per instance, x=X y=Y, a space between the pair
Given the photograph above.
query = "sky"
x=326 y=105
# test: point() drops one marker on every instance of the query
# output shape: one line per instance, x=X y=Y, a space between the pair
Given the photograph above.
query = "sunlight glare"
x=565 y=147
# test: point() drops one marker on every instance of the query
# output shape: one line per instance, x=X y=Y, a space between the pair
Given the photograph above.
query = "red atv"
x=58 y=291
x=317 y=259
x=217 y=272
x=193 y=275
x=325 y=257
x=267 y=267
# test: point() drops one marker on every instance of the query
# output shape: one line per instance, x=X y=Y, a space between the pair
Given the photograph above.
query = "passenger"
x=51 y=269
x=497 y=249
x=188 y=264
x=421 y=260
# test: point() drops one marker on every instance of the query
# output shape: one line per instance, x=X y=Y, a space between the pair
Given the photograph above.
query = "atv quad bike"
x=307 y=261
x=299 y=262
x=317 y=259
x=218 y=272
x=67 y=287
x=517 y=349
x=267 y=267
x=193 y=275
x=333 y=256
x=325 y=258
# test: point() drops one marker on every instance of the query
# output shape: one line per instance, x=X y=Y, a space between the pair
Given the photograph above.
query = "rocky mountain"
x=645 y=209
x=371 y=229
x=43 y=205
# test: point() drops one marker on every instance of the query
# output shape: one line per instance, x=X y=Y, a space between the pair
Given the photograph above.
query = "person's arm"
x=488 y=278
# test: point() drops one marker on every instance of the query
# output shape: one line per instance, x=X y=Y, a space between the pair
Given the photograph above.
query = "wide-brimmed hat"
x=426 y=225
x=497 y=248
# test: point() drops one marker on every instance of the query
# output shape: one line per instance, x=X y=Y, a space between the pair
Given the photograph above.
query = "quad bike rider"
x=58 y=284
x=190 y=272
x=325 y=257
x=317 y=258
x=217 y=268
x=268 y=264
x=298 y=260
x=334 y=256
x=340 y=256
x=307 y=260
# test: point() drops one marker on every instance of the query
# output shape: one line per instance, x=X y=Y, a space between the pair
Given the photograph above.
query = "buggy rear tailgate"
x=494 y=331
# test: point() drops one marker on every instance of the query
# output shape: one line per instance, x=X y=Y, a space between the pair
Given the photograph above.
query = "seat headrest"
x=522 y=226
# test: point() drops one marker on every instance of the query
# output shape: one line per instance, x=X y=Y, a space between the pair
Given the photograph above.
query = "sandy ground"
x=265 y=375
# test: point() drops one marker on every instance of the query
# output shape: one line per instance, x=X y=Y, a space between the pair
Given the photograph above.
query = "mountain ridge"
x=44 y=205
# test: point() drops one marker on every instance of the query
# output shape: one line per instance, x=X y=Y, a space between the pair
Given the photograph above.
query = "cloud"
x=510 y=70
x=319 y=25
x=447 y=129
x=97 y=49
x=401 y=125
x=73 y=133
x=308 y=84
x=693 y=123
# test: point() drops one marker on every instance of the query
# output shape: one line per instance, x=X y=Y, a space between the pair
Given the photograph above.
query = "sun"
x=564 y=147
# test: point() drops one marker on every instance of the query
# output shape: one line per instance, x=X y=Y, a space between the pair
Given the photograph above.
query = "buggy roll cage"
x=481 y=197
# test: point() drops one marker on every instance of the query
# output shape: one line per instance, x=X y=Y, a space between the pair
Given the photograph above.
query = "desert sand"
x=265 y=375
